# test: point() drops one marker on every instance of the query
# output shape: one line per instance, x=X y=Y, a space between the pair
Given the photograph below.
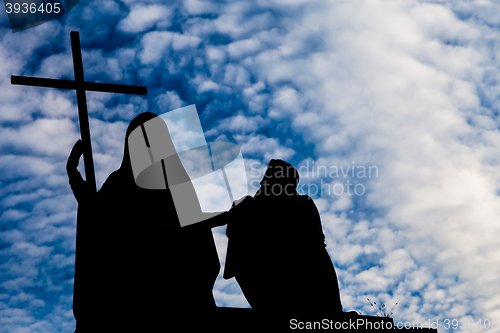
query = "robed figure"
x=134 y=262
x=276 y=248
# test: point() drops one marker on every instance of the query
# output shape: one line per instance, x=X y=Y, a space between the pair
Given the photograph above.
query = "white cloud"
x=142 y=18
x=156 y=43
x=56 y=66
x=236 y=25
x=286 y=102
x=236 y=76
x=215 y=54
x=243 y=47
x=242 y=124
x=169 y=101
x=207 y=85
x=46 y=136
x=269 y=147
x=197 y=7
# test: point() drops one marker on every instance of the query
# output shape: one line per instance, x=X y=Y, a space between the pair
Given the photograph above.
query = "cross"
x=80 y=85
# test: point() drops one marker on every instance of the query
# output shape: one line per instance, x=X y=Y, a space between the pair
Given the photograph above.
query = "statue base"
x=226 y=319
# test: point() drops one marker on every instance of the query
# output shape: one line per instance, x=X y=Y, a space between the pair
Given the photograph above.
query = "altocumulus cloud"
x=409 y=87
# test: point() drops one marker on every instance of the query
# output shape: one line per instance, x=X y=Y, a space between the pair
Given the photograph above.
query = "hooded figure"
x=134 y=262
x=276 y=248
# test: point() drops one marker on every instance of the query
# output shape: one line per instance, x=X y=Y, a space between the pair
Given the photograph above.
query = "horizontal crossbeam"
x=70 y=84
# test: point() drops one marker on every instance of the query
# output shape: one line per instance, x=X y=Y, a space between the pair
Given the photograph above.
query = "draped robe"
x=276 y=252
x=133 y=260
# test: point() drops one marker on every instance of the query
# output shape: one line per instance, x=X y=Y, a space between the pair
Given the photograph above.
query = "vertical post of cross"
x=82 y=111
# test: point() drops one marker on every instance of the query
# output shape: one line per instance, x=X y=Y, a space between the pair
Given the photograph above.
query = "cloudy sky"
x=390 y=110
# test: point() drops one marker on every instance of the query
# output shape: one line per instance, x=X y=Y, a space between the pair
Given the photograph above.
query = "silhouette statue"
x=276 y=249
x=133 y=259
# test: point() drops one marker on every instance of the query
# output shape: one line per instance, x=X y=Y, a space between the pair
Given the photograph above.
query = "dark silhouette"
x=276 y=249
x=133 y=260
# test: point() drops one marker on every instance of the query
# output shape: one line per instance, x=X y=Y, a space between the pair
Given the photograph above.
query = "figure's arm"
x=78 y=185
x=218 y=220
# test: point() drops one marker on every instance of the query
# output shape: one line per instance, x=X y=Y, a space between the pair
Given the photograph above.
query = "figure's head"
x=136 y=122
x=280 y=178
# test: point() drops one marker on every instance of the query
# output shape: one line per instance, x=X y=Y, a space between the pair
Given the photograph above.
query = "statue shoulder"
x=305 y=199
x=111 y=183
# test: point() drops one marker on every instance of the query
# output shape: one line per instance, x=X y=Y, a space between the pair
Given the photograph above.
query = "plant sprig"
x=381 y=310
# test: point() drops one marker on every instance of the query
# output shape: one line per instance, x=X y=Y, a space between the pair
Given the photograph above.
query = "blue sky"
x=409 y=88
